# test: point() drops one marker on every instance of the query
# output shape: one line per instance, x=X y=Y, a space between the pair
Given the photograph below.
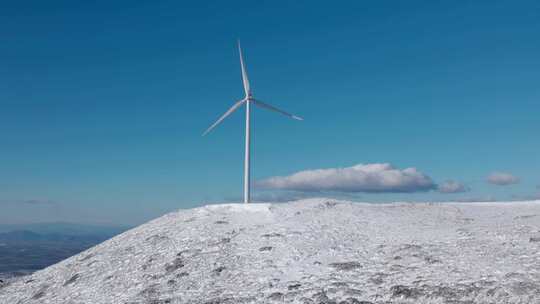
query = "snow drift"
x=311 y=251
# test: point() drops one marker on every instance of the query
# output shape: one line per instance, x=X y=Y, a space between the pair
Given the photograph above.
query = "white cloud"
x=502 y=179
x=374 y=178
x=452 y=187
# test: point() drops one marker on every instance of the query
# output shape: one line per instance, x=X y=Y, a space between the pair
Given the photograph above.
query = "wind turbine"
x=247 y=100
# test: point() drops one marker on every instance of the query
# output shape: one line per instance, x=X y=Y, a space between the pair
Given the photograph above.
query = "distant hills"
x=30 y=236
x=20 y=235
x=30 y=247
x=65 y=228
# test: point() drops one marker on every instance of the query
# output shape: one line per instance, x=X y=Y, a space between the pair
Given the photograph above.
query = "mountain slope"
x=311 y=251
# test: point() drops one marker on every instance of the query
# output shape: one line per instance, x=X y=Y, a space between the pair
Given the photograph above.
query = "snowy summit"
x=310 y=251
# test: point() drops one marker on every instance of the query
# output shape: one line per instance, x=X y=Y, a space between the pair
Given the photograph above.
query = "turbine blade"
x=232 y=109
x=272 y=108
x=245 y=79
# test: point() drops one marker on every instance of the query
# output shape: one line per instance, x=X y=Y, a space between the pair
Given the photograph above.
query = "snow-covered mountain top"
x=310 y=251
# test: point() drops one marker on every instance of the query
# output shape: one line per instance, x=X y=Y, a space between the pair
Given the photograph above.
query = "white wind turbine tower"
x=247 y=100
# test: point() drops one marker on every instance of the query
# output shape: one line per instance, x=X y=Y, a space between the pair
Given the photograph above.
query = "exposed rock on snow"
x=311 y=251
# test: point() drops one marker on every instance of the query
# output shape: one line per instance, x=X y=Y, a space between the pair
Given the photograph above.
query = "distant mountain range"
x=30 y=247
x=65 y=228
x=30 y=236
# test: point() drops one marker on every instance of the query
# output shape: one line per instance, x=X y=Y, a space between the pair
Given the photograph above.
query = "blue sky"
x=104 y=102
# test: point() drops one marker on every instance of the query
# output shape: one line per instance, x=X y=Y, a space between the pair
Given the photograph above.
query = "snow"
x=310 y=251
x=254 y=207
